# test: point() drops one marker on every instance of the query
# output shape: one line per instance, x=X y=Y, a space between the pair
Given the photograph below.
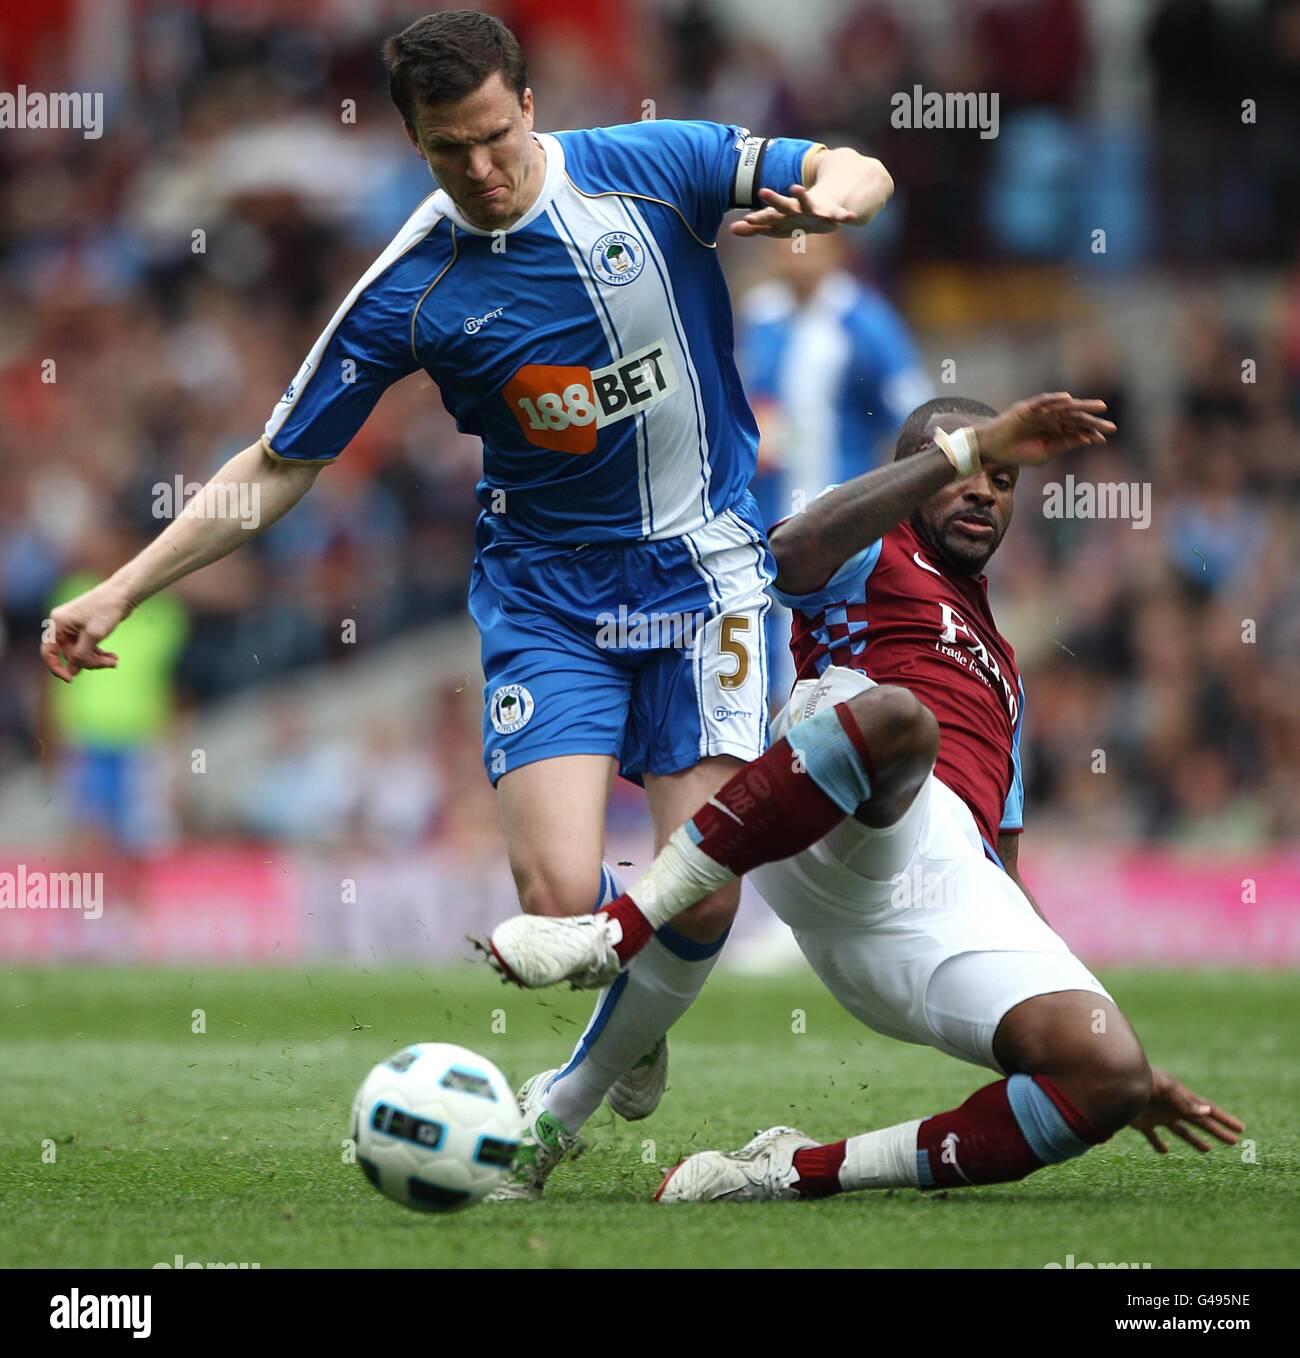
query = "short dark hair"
x=444 y=57
x=912 y=437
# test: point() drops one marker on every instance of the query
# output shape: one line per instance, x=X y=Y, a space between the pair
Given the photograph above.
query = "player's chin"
x=967 y=556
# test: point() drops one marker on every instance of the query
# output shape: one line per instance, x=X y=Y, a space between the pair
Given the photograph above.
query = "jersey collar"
x=554 y=174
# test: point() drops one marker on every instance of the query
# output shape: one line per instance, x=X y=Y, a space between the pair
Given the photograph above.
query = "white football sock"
x=883 y=1159
x=681 y=875
x=631 y=1015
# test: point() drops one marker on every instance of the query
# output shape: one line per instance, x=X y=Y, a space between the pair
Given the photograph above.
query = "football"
x=436 y=1127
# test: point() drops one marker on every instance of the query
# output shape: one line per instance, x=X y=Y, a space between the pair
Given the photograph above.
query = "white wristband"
x=962 y=449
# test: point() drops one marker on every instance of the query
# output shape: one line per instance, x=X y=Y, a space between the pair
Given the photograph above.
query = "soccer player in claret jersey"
x=883 y=827
x=564 y=293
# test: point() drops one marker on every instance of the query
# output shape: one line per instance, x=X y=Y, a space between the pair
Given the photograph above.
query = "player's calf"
x=709 y=919
x=1003 y=1132
x=1078 y=1075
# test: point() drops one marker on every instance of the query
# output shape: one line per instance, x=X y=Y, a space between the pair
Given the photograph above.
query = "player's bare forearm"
x=192 y=540
x=810 y=547
x=1009 y=853
x=857 y=182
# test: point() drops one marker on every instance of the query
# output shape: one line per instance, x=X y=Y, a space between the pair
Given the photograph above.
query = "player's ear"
x=527 y=104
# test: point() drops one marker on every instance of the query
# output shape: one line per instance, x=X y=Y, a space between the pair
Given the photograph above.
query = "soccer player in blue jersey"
x=564 y=293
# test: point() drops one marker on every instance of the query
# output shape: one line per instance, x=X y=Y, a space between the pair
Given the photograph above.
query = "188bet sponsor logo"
x=561 y=407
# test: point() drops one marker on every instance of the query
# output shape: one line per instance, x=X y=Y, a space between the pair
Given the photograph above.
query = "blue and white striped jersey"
x=589 y=345
x=842 y=370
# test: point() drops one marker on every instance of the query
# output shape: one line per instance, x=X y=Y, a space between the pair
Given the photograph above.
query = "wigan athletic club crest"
x=618 y=258
x=511 y=708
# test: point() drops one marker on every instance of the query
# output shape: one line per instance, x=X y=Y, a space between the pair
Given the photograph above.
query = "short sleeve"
x=847 y=583
x=1013 y=811
x=703 y=169
x=364 y=349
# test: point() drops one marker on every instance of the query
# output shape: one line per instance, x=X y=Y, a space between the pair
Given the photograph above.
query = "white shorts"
x=911 y=927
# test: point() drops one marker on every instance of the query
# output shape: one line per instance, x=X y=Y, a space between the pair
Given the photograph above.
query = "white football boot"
x=545 y=1142
x=636 y=1095
x=760 y=1171
x=535 y=951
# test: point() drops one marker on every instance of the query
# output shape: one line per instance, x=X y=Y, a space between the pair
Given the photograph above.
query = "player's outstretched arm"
x=187 y=543
x=810 y=547
x=847 y=189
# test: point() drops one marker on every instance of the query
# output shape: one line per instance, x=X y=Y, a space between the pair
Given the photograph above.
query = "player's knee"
x=545 y=894
x=1119 y=1089
x=1110 y=1085
x=899 y=729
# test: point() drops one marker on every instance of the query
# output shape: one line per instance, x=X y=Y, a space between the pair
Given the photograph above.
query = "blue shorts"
x=652 y=652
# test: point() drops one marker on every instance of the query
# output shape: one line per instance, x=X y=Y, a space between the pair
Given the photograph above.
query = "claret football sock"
x=774 y=807
x=1001 y=1133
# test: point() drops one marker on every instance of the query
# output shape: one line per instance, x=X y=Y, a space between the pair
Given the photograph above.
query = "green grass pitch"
x=226 y=1146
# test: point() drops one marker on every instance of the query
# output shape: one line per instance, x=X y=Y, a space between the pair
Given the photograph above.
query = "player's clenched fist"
x=75 y=629
x=1033 y=431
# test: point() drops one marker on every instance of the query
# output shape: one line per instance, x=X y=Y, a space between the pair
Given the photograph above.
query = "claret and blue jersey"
x=590 y=347
x=894 y=614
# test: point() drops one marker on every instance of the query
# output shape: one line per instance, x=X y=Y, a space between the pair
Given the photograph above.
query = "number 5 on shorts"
x=734 y=626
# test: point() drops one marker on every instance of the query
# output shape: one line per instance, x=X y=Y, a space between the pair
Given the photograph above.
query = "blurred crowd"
x=160 y=285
